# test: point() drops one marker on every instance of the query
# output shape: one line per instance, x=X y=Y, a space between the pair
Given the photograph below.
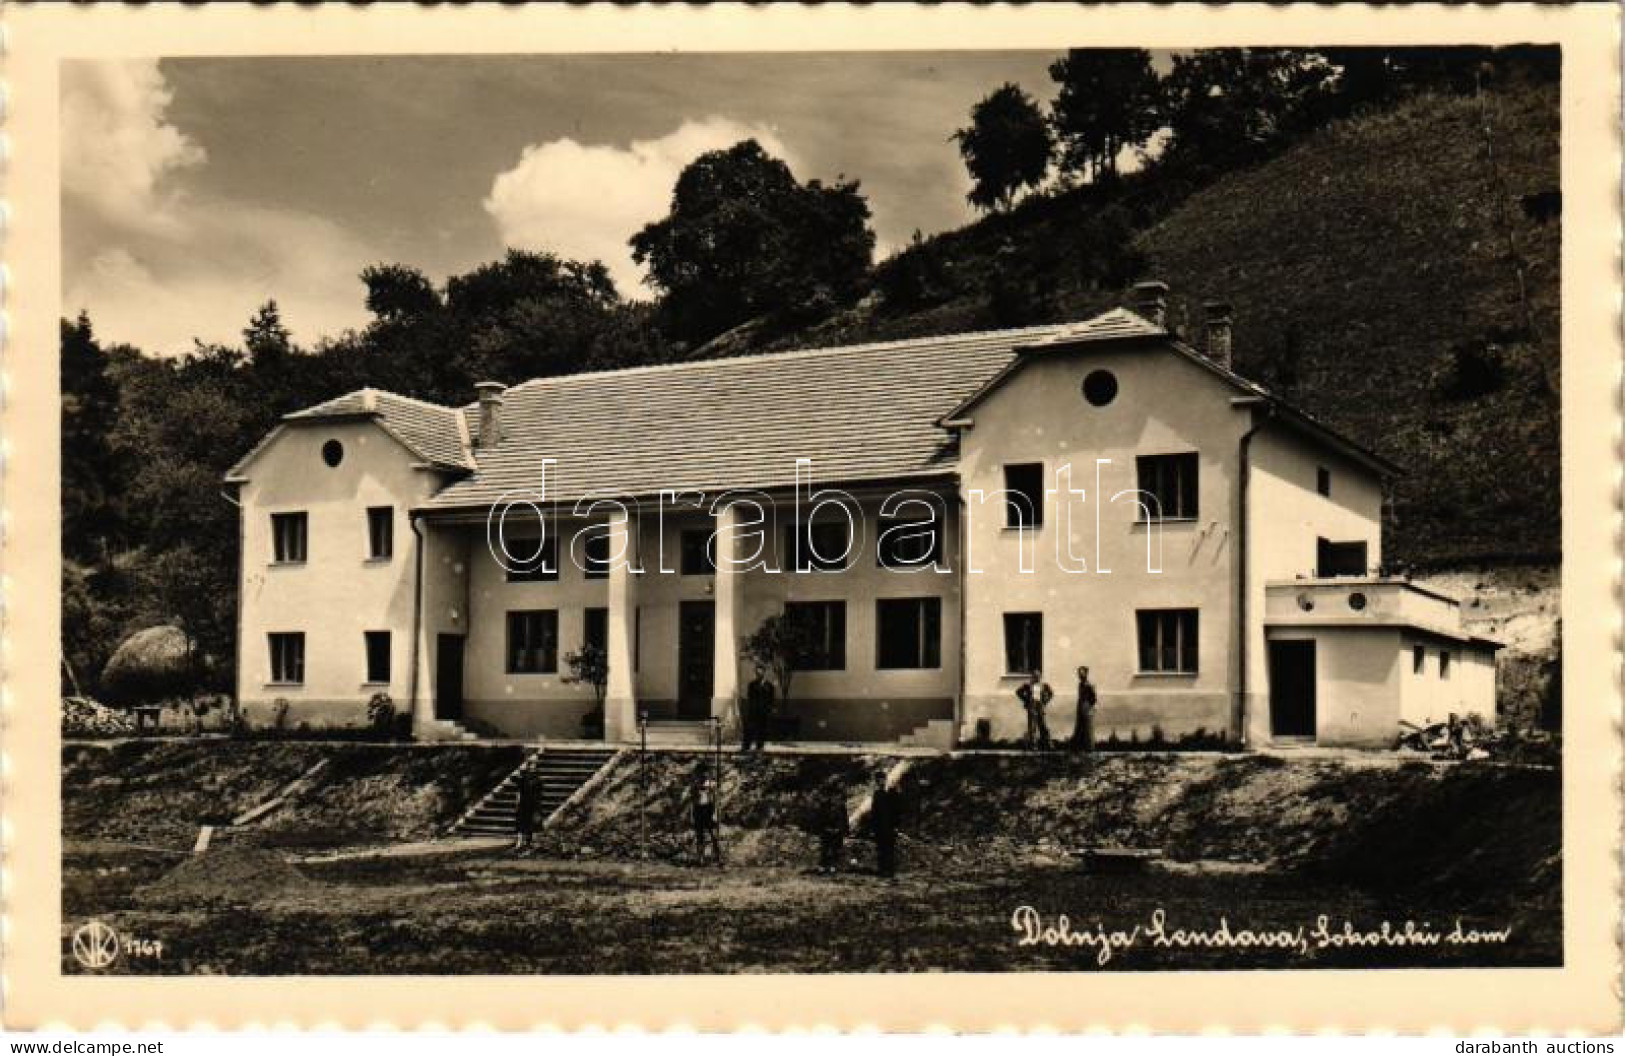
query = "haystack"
x=149 y=665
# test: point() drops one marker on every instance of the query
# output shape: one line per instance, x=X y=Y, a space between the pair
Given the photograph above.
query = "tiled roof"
x=1108 y=326
x=860 y=412
x=434 y=433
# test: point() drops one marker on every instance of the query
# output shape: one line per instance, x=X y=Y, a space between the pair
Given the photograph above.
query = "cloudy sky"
x=195 y=189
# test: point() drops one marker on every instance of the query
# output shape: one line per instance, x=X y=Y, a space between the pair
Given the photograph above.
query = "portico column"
x=621 y=695
x=730 y=596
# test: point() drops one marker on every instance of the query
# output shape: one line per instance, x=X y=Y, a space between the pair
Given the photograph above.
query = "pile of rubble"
x=83 y=717
x=229 y=874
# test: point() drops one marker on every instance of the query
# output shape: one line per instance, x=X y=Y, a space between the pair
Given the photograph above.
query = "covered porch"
x=670 y=600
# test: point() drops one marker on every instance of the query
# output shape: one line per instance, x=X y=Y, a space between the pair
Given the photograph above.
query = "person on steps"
x=524 y=814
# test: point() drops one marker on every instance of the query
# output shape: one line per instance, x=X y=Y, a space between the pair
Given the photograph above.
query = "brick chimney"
x=1150 y=301
x=490 y=413
x=1218 y=332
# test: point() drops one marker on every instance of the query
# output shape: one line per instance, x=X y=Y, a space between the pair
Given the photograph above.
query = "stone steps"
x=444 y=730
x=560 y=773
x=937 y=733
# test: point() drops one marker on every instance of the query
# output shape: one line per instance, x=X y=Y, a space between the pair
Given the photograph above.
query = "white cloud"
x=162 y=294
x=167 y=266
x=117 y=146
x=585 y=202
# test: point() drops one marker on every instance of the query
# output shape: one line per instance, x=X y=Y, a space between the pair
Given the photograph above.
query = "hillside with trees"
x=1385 y=222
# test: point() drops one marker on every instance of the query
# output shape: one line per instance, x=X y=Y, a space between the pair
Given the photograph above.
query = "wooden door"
x=1292 y=689
x=696 y=658
x=448 y=680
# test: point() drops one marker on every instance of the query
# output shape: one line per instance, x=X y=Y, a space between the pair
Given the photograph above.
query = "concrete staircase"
x=680 y=732
x=444 y=730
x=938 y=733
x=560 y=773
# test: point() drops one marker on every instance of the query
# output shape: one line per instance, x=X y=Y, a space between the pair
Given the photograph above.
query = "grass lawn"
x=481 y=911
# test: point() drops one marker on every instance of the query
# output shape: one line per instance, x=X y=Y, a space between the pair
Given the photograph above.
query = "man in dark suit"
x=758 y=710
x=883 y=811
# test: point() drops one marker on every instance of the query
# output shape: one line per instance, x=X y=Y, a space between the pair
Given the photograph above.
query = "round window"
x=1306 y=603
x=332 y=452
x=1356 y=601
x=1100 y=387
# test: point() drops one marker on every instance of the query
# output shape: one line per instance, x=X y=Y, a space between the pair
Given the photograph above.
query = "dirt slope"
x=160 y=791
x=1375 y=819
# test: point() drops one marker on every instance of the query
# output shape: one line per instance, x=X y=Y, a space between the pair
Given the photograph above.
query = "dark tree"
x=396 y=293
x=491 y=291
x=267 y=340
x=90 y=468
x=744 y=240
x=782 y=645
x=1109 y=99
x=1230 y=106
x=537 y=315
x=1006 y=147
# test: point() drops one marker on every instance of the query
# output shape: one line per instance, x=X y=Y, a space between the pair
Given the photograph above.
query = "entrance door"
x=448 y=679
x=696 y=658
x=1292 y=689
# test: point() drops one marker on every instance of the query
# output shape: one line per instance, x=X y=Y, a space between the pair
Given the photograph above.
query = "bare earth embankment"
x=1252 y=843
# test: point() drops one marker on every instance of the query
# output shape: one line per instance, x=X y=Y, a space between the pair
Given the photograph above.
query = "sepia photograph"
x=721 y=522
x=1091 y=507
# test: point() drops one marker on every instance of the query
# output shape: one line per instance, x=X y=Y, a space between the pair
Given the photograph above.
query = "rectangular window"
x=1168 y=486
x=824 y=546
x=533 y=560
x=1023 y=642
x=827 y=622
x=907 y=542
x=288 y=537
x=909 y=633
x=377 y=656
x=1167 y=641
x=1339 y=559
x=595 y=628
x=1323 y=481
x=1024 y=495
x=287 y=657
x=595 y=554
x=699 y=556
x=1444 y=663
x=1419 y=658
x=380 y=532
x=533 y=642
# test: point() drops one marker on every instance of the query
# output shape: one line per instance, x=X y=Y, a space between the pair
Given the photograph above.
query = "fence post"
x=643 y=784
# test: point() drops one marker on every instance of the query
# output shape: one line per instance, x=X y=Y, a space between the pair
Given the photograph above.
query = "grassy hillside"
x=1386 y=276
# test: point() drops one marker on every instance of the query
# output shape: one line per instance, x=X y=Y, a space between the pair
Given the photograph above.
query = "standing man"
x=1035 y=696
x=883 y=811
x=707 y=840
x=524 y=814
x=1083 y=732
x=831 y=826
x=758 y=710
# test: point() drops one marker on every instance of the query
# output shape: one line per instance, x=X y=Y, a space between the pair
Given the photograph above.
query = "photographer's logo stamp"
x=95 y=945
